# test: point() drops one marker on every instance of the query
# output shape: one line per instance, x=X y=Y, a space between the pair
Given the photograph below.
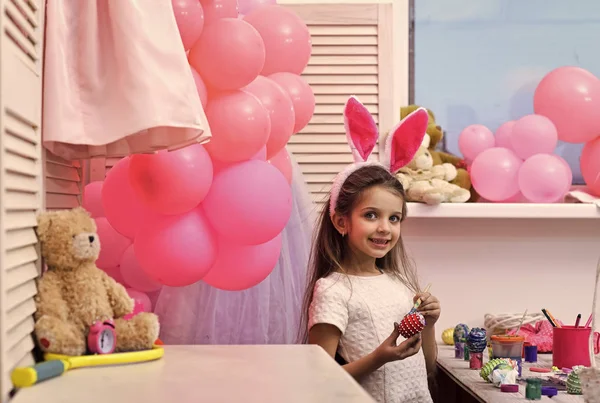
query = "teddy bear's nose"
x=91 y=238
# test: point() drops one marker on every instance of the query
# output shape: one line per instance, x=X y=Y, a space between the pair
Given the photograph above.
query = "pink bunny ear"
x=405 y=139
x=361 y=129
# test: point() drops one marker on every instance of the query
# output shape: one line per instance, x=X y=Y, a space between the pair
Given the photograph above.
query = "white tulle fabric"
x=268 y=313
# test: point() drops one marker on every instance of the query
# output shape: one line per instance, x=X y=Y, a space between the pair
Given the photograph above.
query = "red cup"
x=570 y=346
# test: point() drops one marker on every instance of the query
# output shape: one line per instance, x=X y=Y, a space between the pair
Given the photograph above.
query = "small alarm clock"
x=102 y=338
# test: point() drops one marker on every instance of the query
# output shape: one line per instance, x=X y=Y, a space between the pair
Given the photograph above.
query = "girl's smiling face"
x=374 y=227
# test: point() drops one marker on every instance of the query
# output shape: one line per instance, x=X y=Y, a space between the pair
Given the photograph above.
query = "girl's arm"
x=430 y=349
x=328 y=337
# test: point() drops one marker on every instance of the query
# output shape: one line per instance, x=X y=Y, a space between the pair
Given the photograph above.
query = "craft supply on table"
x=418 y=301
x=501 y=323
x=530 y=353
x=412 y=323
x=508 y=346
x=577 y=320
x=467 y=354
x=574 y=382
x=476 y=343
x=448 y=336
x=504 y=374
x=571 y=346
x=509 y=388
x=549 y=391
x=460 y=337
x=550 y=318
x=489 y=367
x=533 y=390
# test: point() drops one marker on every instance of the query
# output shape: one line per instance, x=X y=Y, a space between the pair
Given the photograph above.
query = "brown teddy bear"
x=435 y=133
x=73 y=293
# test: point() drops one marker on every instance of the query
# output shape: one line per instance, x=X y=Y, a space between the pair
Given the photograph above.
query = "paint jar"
x=459 y=350
x=476 y=361
x=508 y=346
x=467 y=352
x=530 y=353
x=533 y=390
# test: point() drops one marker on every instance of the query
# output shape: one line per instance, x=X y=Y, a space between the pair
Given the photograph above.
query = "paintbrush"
x=418 y=302
x=521 y=323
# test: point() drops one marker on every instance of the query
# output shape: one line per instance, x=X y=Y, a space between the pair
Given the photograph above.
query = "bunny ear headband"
x=361 y=132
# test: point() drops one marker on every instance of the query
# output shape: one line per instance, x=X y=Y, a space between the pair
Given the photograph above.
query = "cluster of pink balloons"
x=117 y=257
x=570 y=98
x=215 y=212
x=518 y=162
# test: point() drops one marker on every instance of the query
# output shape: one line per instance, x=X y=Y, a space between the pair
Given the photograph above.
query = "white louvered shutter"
x=21 y=178
x=63 y=183
x=351 y=55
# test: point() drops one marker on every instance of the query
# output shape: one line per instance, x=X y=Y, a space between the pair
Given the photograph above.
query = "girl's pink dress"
x=116 y=80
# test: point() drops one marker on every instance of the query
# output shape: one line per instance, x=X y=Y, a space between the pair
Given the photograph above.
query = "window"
x=480 y=61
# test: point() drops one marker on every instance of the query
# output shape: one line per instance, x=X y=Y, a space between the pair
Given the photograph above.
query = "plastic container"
x=507 y=346
x=570 y=346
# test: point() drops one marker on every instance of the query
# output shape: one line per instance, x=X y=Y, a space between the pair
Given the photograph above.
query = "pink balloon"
x=249 y=203
x=533 y=134
x=112 y=244
x=494 y=174
x=141 y=301
x=115 y=274
x=570 y=98
x=282 y=161
x=239 y=267
x=122 y=208
x=92 y=199
x=229 y=54
x=569 y=171
x=218 y=166
x=502 y=134
x=590 y=165
x=543 y=179
x=246 y=6
x=302 y=97
x=474 y=139
x=134 y=275
x=286 y=37
x=240 y=126
x=172 y=182
x=281 y=111
x=176 y=250
x=190 y=20
x=217 y=9
x=200 y=87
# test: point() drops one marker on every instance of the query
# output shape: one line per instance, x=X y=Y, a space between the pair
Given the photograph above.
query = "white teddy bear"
x=424 y=182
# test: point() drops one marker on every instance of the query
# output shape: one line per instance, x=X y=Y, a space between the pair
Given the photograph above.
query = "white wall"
x=496 y=265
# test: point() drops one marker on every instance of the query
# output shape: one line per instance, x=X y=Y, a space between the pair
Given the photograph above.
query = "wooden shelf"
x=505 y=210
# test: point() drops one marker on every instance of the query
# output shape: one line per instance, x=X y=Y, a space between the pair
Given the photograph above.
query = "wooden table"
x=215 y=374
x=470 y=387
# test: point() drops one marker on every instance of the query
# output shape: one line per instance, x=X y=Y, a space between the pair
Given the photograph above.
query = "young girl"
x=361 y=282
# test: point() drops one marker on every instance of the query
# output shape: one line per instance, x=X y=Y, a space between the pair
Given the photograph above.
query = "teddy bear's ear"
x=82 y=211
x=361 y=129
x=405 y=140
x=407 y=110
x=44 y=222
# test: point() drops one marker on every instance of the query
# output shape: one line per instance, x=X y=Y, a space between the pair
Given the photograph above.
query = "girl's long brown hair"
x=329 y=247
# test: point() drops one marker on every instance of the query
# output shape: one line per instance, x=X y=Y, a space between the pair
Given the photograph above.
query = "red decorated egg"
x=411 y=324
